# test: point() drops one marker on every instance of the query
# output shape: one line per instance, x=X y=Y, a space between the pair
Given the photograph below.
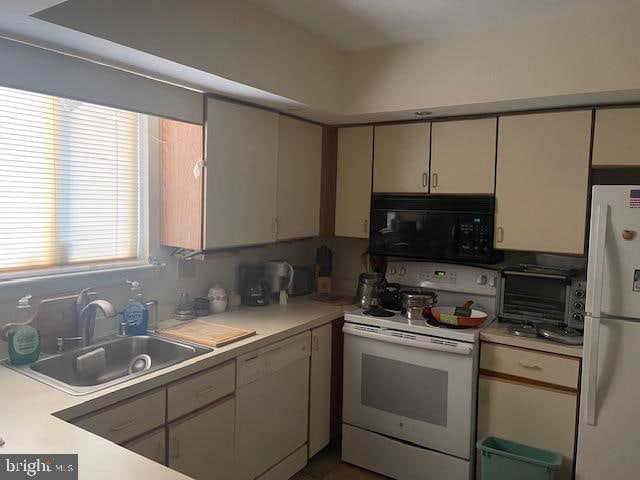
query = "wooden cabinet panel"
x=199 y=390
x=182 y=181
x=542 y=418
x=542 y=181
x=539 y=366
x=401 y=158
x=299 y=169
x=153 y=446
x=463 y=156
x=128 y=419
x=201 y=446
x=241 y=175
x=353 y=182
x=320 y=389
x=616 y=137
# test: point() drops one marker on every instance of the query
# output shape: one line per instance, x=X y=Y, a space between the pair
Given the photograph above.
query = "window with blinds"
x=69 y=182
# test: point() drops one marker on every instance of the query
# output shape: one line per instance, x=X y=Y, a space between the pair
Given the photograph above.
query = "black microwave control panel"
x=475 y=237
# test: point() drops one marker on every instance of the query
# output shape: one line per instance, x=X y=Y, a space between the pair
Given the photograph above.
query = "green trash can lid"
x=519 y=451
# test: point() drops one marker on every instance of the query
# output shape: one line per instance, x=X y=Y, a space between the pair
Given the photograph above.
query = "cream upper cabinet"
x=241 y=175
x=463 y=156
x=299 y=167
x=401 y=158
x=353 y=182
x=542 y=181
x=616 y=138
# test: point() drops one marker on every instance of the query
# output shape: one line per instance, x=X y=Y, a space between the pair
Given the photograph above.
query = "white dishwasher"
x=272 y=401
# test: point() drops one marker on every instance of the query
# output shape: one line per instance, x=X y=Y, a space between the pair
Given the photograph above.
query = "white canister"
x=218 y=299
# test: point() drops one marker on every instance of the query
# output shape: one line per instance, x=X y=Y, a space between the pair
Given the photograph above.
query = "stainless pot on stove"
x=368 y=289
x=416 y=304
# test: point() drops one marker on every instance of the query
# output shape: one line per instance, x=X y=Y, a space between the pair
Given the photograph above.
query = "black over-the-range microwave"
x=448 y=228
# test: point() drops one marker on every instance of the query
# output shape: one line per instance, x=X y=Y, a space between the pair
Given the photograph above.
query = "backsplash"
x=165 y=285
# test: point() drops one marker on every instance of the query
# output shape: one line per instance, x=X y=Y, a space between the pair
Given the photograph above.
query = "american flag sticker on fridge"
x=634 y=198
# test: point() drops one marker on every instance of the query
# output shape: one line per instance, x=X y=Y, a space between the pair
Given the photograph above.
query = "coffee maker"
x=280 y=278
x=254 y=290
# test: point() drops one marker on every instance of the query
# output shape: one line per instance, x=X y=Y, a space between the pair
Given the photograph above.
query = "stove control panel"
x=444 y=276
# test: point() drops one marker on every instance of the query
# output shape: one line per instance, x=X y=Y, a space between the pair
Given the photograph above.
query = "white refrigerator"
x=609 y=428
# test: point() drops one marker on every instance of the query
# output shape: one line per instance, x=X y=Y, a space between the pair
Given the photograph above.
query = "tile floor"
x=326 y=465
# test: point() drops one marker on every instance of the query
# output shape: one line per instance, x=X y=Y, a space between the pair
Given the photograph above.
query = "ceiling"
x=362 y=24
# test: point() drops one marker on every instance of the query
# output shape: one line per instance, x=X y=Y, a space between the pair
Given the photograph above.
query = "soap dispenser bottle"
x=23 y=339
x=135 y=314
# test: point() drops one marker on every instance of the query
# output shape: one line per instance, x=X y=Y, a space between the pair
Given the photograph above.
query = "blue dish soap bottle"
x=24 y=340
x=135 y=314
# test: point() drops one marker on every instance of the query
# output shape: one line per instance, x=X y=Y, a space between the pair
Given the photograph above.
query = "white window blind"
x=69 y=182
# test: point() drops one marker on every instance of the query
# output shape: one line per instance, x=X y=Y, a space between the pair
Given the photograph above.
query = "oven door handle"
x=457 y=348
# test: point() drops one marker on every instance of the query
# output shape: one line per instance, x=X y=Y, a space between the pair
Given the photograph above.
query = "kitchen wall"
x=594 y=51
x=235 y=40
x=163 y=283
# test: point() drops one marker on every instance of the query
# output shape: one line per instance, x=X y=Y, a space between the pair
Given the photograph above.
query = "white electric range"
x=409 y=400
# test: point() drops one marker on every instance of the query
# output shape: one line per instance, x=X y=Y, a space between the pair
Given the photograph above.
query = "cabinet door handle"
x=500 y=235
x=175 y=447
x=316 y=343
x=530 y=366
x=365 y=226
x=275 y=227
x=425 y=179
x=122 y=426
x=206 y=390
x=434 y=180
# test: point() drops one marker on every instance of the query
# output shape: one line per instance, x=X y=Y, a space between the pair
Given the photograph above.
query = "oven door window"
x=539 y=297
x=416 y=233
x=404 y=389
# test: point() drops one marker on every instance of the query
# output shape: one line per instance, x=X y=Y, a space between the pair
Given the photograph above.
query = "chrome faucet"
x=86 y=315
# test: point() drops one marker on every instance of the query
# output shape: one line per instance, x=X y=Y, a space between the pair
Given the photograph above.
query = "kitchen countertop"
x=34 y=415
x=497 y=333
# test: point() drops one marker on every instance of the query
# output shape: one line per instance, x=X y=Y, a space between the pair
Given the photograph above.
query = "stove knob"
x=492 y=281
x=392 y=270
x=402 y=271
x=578 y=306
x=578 y=317
x=579 y=293
x=481 y=279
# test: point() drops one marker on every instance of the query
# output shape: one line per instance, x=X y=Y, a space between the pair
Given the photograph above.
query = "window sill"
x=64 y=282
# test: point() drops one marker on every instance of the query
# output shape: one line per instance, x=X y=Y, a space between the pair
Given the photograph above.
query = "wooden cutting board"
x=206 y=333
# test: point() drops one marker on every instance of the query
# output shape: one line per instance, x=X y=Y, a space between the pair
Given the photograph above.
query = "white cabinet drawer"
x=128 y=419
x=200 y=389
x=538 y=366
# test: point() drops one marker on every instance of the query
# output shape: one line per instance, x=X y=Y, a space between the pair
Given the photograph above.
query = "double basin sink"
x=109 y=362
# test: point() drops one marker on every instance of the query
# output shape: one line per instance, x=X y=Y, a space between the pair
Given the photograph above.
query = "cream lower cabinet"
x=353 y=181
x=401 y=158
x=616 y=138
x=529 y=397
x=152 y=445
x=542 y=181
x=463 y=156
x=201 y=445
x=299 y=171
x=320 y=389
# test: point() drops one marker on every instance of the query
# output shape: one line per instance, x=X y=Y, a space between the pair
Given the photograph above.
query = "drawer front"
x=200 y=390
x=538 y=366
x=127 y=420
